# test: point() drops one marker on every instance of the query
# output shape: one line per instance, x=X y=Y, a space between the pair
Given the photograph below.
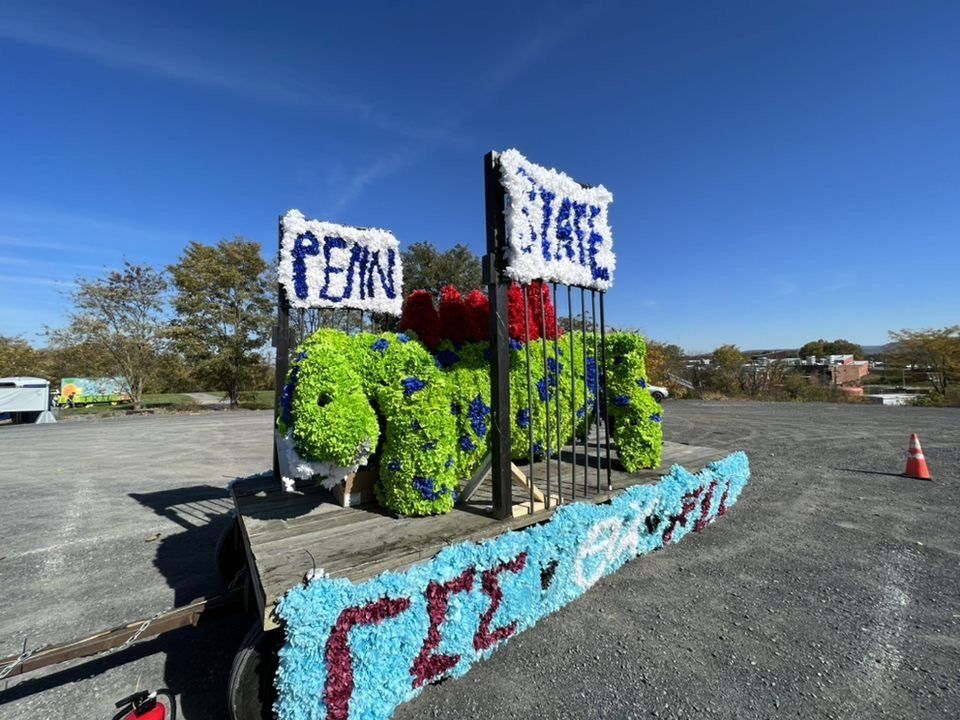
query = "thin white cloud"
x=7 y=261
x=36 y=280
x=9 y=241
x=82 y=37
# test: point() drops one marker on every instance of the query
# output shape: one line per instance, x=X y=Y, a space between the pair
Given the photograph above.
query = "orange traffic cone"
x=916 y=462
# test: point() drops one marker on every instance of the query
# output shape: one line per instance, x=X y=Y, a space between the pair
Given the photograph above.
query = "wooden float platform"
x=285 y=535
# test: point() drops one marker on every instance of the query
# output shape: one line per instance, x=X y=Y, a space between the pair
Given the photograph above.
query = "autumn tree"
x=121 y=315
x=664 y=361
x=18 y=357
x=728 y=361
x=223 y=309
x=936 y=350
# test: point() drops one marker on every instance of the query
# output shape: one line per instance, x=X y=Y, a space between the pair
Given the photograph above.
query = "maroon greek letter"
x=689 y=503
x=428 y=666
x=485 y=637
x=705 y=508
x=339 y=685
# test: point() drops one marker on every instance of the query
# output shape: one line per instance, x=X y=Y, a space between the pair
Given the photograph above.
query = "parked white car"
x=659 y=393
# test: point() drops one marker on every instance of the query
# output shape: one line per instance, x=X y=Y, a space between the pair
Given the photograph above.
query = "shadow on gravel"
x=198 y=660
x=870 y=472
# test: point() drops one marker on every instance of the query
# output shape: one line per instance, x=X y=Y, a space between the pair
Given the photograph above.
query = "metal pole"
x=526 y=337
x=573 y=397
x=586 y=415
x=546 y=376
x=497 y=287
x=556 y=359
x=596 y=387
x=606 y=399
x=282 y=355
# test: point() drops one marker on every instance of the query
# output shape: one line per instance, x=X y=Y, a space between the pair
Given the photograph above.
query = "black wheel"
x=251 y=690
x=658 y=396
x=229 y=553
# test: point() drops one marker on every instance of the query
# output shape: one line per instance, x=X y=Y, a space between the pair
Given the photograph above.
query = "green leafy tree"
x=822 y=348
x=223 y=309
x=936 y=350
x=123 y=314
x=426 y=268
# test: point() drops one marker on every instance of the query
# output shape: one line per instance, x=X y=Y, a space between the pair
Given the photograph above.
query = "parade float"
x=512 y=451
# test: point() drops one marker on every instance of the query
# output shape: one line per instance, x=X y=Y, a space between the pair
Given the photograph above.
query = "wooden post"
x=497 y=287
x=281 y=341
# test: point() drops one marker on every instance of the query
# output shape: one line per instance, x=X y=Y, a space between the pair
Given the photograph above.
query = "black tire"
x=251 y=692
x=229 y=553
x=658 y=397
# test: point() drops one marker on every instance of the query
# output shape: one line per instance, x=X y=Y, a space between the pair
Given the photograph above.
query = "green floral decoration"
x=636 y=415
x=426 y=416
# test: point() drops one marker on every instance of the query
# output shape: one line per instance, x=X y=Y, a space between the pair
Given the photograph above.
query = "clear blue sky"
x=781 y=171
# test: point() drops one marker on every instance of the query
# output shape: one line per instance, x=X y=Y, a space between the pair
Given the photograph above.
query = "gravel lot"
x=830 y=590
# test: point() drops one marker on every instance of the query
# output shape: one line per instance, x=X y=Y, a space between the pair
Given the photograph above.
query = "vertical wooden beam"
x=497 y=286
x=281 y=341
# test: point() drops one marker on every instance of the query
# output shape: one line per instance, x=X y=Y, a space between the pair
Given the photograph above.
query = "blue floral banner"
x=327 y=265
x=358 y=651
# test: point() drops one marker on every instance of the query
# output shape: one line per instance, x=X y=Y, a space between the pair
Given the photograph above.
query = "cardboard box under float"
x=357 y=489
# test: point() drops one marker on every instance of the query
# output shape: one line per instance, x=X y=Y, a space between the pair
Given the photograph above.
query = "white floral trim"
x=293 y=467
x=524 y=217
x=295 y=225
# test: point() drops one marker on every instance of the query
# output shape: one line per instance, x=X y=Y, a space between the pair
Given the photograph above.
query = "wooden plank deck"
x=285 y=533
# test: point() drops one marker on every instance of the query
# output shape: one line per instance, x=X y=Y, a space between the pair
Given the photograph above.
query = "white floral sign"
x=327 y=265
x=557 y=230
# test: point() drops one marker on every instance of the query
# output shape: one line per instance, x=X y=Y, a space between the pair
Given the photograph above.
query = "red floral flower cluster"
x=467 y=319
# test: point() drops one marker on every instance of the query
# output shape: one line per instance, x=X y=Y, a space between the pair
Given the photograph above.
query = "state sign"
x=556 y=229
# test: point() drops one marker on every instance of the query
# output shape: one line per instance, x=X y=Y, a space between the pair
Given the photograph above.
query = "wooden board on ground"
x=285 y=533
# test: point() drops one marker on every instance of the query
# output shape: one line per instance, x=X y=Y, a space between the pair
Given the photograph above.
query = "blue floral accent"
x=542 y=390
x=581 y=412
x=553 y=366
x=415 y=425
x=656 y=417
x=538 y=453
x=431 y=445
x=621 y=400
x=286 y=398
x=380 y=345
x=403 y=337
x=591 y=373
x=477 y=413
x=523 y=417
x=412 y=385
x=425 y=487
x=515 y=344
x=642 y=383
x=449 y=462
x=393 y=466
x=447 y=359
x=466 y=444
